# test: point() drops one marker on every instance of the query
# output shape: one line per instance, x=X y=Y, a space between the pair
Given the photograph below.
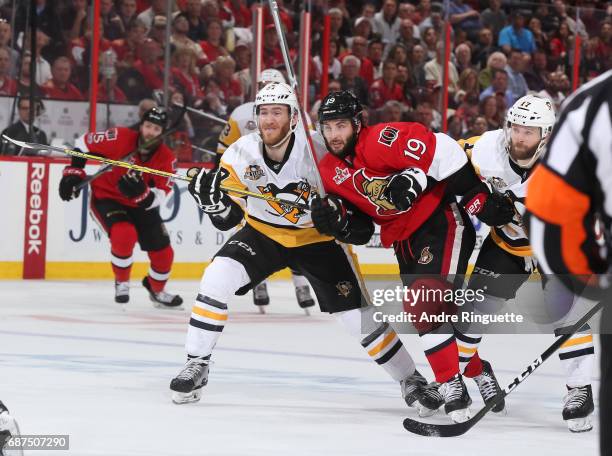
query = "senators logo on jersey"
x=295 y=191
x=372 y=188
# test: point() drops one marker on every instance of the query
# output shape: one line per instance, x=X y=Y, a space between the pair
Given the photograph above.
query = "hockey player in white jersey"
x=241 y=123
x=8 y=428
x=504 y=160
x=275 y=161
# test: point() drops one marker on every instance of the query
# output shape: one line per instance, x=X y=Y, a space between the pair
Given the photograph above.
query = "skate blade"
x=306 y=311
x=578 y=425
x=423 y=411
x=159 y=305
x=460 y=416
x=186 y=398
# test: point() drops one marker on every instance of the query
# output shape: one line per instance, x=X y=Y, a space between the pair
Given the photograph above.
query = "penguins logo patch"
x=253 y=172
x=426 y=256
x=344 y=288
x=298 y=192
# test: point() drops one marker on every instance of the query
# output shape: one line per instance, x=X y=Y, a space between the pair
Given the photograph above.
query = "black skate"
x=162 y=299
x=8 y=428
x=488 y=386
x=577 y=408
x=122 y=292
x=187 y=385
x=419 y=394
x=456 y=399
x=304 y=298
x=260 y=296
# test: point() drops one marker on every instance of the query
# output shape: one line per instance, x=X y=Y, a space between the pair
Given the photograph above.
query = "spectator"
x=515 y=69
x=557 y=88
x=197 y=27
x=158 y=31
x=340 y=29
x=214 y=45
x=110 y=20
x=158 y=8
x=335 y=67
x=150 y=64
x=516 y=36
x=494 y=17
x=387 y=22
x=273 y=57
x=242 y=56
x=423 y=11
x=604 y=44
x=230 y=87
x=23 y=84
x=126 y=48
x=560 y=44
x=407 y=32
x=127 y=13
x=464 y=17
x=591 y=18
x=180 y=140
x=484 y=48
x=48 y=22
x=426 y=115
x=478 y=126
x=429 y=40
x=560 y=11
x=60 y=87
x=8 y=85
x=108 y=90
x=434 y=20
x=241 y=12
x=463 y=57
x=75 y=18
x=213 y=101
x=398 y=54
x=468 y=85
x=5 y=40
x=540 y=38
x=433 y=71
x=359 y=48
x=489 y=110
x=368 y=10
x=43 y=69
x=385 y=88
x=350 y=79
x=180 y=27
x=496 y=61
x=537 y=76
x=376 y=50
x=363 y=27
x=20 y=130
x=185 y=75
x=417 y=65
x=549 y=21
x=499 y=87
x=392 y=111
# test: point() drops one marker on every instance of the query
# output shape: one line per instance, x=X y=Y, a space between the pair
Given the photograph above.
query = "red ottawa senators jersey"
x=115 y=144
x=382 y=151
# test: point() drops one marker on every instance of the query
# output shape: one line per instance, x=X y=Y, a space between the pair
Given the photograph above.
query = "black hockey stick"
x=456 y=429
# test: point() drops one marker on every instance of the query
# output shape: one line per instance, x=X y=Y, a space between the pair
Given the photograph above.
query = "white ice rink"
x=71 y=362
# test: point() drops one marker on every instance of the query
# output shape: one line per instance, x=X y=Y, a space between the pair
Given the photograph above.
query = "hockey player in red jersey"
x=405 y=178
x=126 y=204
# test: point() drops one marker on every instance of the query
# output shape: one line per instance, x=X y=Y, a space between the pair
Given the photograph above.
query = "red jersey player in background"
x=406 y=177
x=126 y=204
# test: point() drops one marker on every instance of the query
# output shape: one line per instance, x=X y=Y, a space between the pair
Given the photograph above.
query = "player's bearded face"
x=149 y=131
x=340 y=136
x=274 y=123
x=524 y=141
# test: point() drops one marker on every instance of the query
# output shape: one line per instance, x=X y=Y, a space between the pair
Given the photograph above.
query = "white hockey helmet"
x=278 y=93
x=531 y=111
x=271 y=75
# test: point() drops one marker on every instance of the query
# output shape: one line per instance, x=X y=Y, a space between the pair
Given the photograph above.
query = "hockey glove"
x=405 y=187
x=491 y=208
x=133 y=187
x=71 y=177
x=329 y=215
x=206 y=190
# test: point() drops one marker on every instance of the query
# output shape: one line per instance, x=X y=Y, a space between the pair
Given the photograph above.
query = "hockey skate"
x=122 y=292
x=8 y=428
x=488 y=386
x=456 y=399
x=260 y=296
x=161 y=299
x=304 y=298
x=187 y=385
x=419 y=394
x=577 y=408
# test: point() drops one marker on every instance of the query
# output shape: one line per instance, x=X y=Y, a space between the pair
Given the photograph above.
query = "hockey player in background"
x=405 y=177
x=567 y=193
x=505 y=159
x=126 y=204
x=8 y=428
x=275 y=161
x=241 y=123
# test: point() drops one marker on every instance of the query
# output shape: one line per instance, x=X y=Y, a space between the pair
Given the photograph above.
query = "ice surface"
x=71 y=362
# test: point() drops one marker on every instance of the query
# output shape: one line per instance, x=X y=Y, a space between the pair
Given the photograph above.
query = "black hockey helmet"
x=157 y=116
x=341 y=105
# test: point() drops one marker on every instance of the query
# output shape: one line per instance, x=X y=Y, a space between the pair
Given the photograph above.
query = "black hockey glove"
x=71 y=177
x=133 y=187
x=205 y=188
x=491 y=208
x=329 y=215
x=405 y=187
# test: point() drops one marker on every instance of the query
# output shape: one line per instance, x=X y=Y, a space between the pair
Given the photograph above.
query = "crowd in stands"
x=390 y=53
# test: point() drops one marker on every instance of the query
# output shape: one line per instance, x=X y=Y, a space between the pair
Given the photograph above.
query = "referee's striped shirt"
x=573 y=185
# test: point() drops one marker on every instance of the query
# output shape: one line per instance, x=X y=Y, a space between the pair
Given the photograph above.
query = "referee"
x=568 y=192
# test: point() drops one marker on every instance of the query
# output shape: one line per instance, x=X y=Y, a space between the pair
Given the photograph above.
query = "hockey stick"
x=456 y=429
x=294 y=85
x=202 y=113
x=156 y=172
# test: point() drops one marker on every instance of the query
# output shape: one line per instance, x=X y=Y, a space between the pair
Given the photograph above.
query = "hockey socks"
x=123 y=237
x=159 y=270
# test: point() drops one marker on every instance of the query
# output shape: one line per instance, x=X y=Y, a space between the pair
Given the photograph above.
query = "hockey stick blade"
x=457 y=429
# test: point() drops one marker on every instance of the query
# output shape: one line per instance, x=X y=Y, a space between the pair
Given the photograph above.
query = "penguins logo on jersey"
x=373 y=188
x=344 y=288
x=295 y=191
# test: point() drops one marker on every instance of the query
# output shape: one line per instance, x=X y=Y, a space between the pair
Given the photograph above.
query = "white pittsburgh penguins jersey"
x=293 y=179
x=241 y=123
x=492 y=163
